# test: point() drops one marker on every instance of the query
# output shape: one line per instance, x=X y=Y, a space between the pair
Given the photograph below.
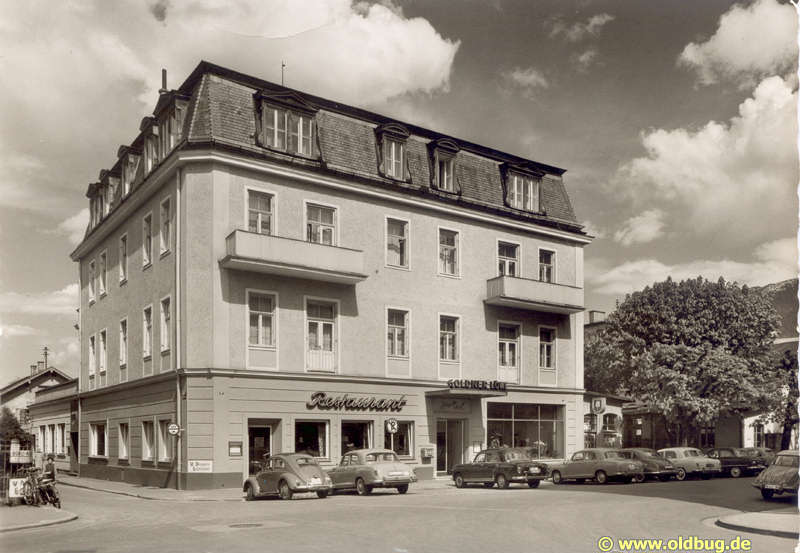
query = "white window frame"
x=459 y=340
x=147 y=256
x=336 y=332
x=458 y=249
x=518 y=260
x=391 y=155
x=407 y=330
x=123 y=348
x=165 y=324
x=92 y=278
x=50 y=438
x=102 y=273
x=165 y=226
x=554 y=355
x=93 y=452
x=61 y=432
x=336 y=221
x=147 y=352
x=539 y=265
x=273 y=226
x=520 y=349
x=102 y=365
x=450 y=162
x=163 y=441
x=123 y=259
x=519 y=195
x=407 y=238
x=275 y=316
x=40 y=442
x=124 y=446
x=152 y=447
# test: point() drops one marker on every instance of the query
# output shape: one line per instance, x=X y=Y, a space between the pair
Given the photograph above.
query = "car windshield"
x=384 y=457
x=515 y=455
x=694 y=453
x=304 y=461
x=614 y=455
x=787 y=461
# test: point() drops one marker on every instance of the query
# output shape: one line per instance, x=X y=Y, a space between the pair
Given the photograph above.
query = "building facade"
x=54 y=418
x=267 y=270
x=20 y=394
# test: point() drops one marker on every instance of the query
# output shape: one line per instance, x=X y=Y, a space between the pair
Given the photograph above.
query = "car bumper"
x=312 y=488
x=707 y=470
x=393 y=481
x=665 y=472
x=777 y=488
x=527 y=477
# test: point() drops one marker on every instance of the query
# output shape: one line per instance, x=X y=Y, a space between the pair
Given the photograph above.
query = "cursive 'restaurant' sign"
x=321 y=400
x=477 y=385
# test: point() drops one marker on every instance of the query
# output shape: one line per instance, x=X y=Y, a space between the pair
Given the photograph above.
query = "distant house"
x=19 y=394
x=54 y=420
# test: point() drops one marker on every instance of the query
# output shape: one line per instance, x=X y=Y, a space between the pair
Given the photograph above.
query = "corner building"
x=273 y=271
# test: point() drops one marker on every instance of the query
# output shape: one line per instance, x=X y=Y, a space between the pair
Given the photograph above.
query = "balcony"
x=274 y=255
x=534 y=295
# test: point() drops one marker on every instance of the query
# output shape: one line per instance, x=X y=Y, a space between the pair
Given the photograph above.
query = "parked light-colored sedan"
x=690 y=460
x=599 y=464
x=363 y=470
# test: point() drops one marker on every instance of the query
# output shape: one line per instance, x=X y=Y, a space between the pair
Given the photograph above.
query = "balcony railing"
x=533 y=295
x=263 y=253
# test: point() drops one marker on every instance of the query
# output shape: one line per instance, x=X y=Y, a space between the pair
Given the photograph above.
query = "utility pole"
x=282 y=66
x=45 y=352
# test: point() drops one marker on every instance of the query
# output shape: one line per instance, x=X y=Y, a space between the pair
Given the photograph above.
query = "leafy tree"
x=691 y=351
x=782 y=398
x=10 y=428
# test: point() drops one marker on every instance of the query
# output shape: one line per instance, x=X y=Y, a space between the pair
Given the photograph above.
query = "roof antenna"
x=282 y=66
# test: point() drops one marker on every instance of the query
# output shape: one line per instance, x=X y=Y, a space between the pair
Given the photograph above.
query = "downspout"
x=80 y=371
x=178 y=407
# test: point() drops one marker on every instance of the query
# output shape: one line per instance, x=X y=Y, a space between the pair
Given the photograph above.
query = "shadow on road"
x=730 y=493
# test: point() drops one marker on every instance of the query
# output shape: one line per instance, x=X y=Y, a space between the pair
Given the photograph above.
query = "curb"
x=112 y=491
x=68 y=518
x=762 y=531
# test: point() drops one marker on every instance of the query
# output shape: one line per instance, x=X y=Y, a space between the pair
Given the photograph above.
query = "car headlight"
x=632 y=466
x=519 y=469
x=298 y=482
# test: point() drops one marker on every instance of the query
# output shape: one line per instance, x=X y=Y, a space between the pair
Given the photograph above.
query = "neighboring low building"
x=54 y=419
x=19 y=394
x=602 y=420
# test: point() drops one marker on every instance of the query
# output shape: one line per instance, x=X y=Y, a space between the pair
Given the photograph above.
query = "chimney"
x=597 y=316
x=33 y=370
x=39 y=366
x=163 y=90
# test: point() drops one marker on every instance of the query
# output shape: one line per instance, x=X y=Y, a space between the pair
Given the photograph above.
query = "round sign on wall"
x=173 y=429
x=392 y=426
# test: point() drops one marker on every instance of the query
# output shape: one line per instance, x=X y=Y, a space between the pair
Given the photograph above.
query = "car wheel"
x=502 y=481
x=322 y=494
x=556 y=476
x=284 y=490
x=681 y=475
x=601 y=477
x=533 y=483
x=250 y=494
x=767 y=494
x=638 y=478
x=488 y=484
x=362 y=488
x=402 y=488
x=459 y=480
x=664 y=477
x=736 y=472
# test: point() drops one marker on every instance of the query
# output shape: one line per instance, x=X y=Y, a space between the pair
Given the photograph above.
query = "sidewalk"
x=21 y=517
x=783 y=523
x=170 y=494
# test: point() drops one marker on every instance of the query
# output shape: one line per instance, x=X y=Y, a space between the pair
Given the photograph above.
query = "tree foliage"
x=691 y=351
x=10 y=428
x=783 y=395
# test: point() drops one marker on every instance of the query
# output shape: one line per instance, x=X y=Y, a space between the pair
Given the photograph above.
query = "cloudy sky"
x=676 y=122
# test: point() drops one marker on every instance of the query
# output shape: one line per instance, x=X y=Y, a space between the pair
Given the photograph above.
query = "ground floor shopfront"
x=229 y=420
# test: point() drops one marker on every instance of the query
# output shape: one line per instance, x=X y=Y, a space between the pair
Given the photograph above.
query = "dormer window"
x=151 y=150
x=392 y=140
x=129 y=166
x=170 y=129
x=443 y=153
x=287 y=123
x=522 y=187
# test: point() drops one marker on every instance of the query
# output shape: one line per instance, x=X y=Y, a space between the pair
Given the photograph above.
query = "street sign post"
x=392 y=426
x=173 y=429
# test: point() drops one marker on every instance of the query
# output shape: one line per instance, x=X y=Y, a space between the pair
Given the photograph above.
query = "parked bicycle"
x=38 y=490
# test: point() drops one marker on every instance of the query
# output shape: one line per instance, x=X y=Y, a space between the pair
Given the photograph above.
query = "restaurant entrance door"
x=449 y=445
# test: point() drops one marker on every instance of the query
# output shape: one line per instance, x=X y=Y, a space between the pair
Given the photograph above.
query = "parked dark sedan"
x=599 y=464
x=781 y=476
x=286 y=474
x=763 y=454
x=500 y=466
x=735 y=461
x=655 y=466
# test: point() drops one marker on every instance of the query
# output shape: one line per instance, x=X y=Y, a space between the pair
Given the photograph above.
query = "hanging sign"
x=598 y=405
x=392 y=426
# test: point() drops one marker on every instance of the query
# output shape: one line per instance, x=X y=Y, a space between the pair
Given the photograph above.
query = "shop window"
x=356 y=435
x=507 y=259
x=538 y=428
x=98 y=438
x=402 y=441
x=148 y=440
x=259 y=212
x=123 y=444
x=311 y=437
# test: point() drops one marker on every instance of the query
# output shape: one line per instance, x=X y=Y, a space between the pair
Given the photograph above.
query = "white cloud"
x=585 y=59
x=58 y=302
x=593 y=230
x=774 y=261
x=642 y=228
x=75 y=227
x=527 y=80
x=715 y=178
x=578 y=31
x=15 y=330
x=750 y=42
x=67 y=355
